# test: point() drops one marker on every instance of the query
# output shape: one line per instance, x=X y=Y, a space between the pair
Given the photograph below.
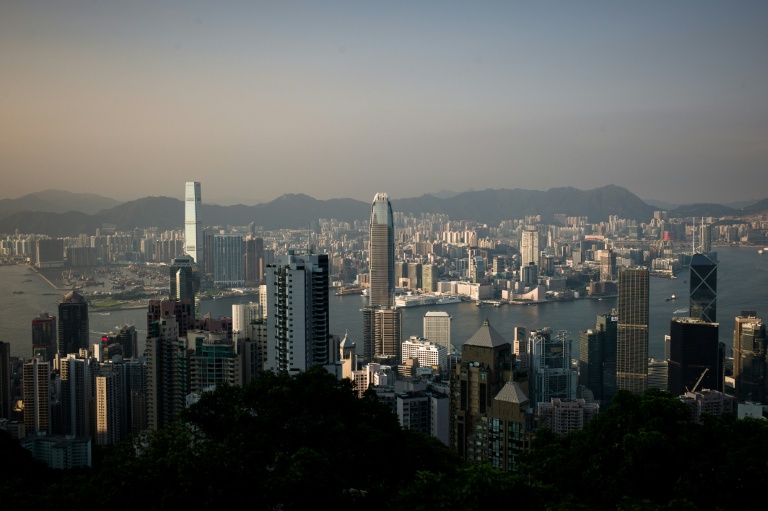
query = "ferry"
x=415 y=300
x=671 y=298
x=680 y=311
x=349 y=291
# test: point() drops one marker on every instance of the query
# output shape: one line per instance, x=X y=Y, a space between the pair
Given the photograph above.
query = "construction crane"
x=699 y=380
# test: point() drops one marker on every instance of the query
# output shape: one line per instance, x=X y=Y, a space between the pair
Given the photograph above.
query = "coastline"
x=42 y=276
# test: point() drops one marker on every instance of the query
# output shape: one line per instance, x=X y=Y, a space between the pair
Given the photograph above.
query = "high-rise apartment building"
x=228 y=260
x=36 y=378
x=749 y=357
x=243 y=314
x=381 y=253
x=73 y=324
x=695 y=352
x=44 y=336
x=428 y=353
x=124 y=342
x=76 y=395
x=213 y=362
x=703 y=282
x=109 y=406
x=632 y=330
x=298 y=323
x=167 y=372
x=5 y=380
x=180 y=310
x=193 y=225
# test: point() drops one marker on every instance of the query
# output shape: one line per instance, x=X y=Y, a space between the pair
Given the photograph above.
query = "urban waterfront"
x=742 y=285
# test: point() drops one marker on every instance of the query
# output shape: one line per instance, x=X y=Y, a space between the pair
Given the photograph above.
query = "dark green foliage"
x=281 y=443
x=644 y=453
x=307 y=442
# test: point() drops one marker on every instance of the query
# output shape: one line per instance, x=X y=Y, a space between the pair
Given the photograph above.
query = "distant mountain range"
x=57 y=201
x=59 y=213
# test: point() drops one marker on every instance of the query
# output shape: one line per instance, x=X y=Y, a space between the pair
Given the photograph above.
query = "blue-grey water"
x=742 y=285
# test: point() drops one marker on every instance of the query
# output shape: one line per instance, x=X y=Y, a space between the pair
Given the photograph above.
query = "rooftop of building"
x=511 y=393
x=487 y=336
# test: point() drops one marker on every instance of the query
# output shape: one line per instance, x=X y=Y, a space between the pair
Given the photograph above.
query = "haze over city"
x=343 y=99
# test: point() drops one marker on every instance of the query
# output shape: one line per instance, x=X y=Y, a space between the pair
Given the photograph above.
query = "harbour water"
x=742 y=285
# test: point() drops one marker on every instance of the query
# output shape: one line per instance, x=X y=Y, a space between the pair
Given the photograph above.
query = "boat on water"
x=680 y=311
x=671 y=298
x=349 y=291
x=17 y=292
x=448 y=299
x=415 y=300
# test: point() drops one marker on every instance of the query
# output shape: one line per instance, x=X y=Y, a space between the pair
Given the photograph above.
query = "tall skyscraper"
x=381 y=253
x=703 y=282
x=437 y=328
x=597 y=358
x=110 y=407
x=5 y=380
x=388 y=334
x=167 y=372
x=749 y=357
x=73 y=324
x=254 y=260
x=632 y=330
x=607 y=265
x=488 y=409
x=297 y=303
x=229 y=260
x=76 y=395
x=694 y=347
x=705 y=235
x=429 y=278
x=36 y=377
x=550 y=373
x=606 y=327
x=529 y=246
x=184 y=275
x=193 y=225
x=44 y=335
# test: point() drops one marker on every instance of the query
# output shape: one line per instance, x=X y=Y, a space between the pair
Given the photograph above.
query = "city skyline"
x=660 y=99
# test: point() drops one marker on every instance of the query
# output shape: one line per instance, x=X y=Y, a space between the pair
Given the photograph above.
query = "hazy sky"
x=344 y=99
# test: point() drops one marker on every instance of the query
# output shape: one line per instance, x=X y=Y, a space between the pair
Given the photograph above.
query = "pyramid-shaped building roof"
x=487 y=336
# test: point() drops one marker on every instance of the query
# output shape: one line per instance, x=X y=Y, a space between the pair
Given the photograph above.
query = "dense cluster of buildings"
x=485 y=399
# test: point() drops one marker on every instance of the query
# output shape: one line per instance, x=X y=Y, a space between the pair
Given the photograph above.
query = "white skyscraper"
x=193 y=225
x=529 y=246
x=437 y=328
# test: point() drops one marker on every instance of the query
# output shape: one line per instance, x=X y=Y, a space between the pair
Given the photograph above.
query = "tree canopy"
x=295 y=442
